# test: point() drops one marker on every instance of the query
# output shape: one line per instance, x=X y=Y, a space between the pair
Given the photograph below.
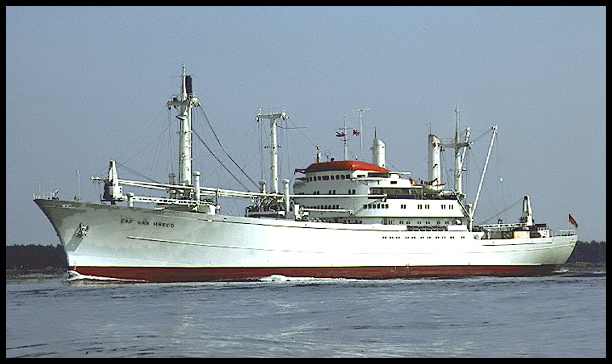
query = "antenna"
x=458 y=186
x=78 y=196
x=361 y=111
x=345 y=139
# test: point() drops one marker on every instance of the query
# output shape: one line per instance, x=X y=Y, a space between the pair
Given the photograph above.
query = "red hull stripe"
x=171 y=274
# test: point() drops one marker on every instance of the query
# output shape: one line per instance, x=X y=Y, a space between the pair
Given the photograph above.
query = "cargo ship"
x=340 y=219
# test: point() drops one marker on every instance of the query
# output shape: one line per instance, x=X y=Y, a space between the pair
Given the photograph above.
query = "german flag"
x=572 y=221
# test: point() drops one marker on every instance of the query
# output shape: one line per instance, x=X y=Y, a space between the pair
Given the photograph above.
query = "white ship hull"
x=165 y=245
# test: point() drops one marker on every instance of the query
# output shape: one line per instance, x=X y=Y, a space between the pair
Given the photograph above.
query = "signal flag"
x=572 y=221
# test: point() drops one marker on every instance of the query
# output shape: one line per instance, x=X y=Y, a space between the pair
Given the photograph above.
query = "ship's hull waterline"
x=157 y=245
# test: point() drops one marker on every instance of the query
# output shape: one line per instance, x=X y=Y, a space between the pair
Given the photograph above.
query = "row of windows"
x=402 y=206
x=391 y=222
x=418 y=222
x=376 y=206
x=333 y=192
x=401 y=222
x=426 y=206
x=326 y=207
x=423 y=237
x=393 y=191
x=325 y=178
x=386 y=205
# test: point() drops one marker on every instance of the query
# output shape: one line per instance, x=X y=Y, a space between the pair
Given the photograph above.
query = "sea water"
x=562 y=315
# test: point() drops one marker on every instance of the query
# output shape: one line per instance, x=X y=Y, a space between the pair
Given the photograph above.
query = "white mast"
x=527 y=215
x=344 y=139
x=361 y=111
x=113 y=192
x=434 y=174
x=185 y=101
x=459 y=155
x=378 y=152
x=273 y=147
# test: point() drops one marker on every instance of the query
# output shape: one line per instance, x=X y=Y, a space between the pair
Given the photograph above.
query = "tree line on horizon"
x=592 y=252
x=28 y=257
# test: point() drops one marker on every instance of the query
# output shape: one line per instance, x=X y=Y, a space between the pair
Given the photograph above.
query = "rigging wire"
x=140 y=136
x=290 y=137
x=135 y=141
x=224 y=151
x=301 y=132
x=158 y=152
x=501 y=212
x=154 y=140
x=221 y=163
x=500 y=179
x=137 y=173
x=418 y=164
x=480 y=136
x=171 y=142
x=286 y=137
x=250 y=144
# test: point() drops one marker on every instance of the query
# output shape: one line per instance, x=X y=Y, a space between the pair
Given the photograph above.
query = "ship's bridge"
x=344 y=177
x=333 y=191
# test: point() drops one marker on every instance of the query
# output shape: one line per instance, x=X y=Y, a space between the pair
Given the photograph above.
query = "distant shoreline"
x=18 y=275
x=584 y=266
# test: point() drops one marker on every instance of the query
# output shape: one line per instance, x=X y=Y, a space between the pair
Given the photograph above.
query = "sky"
x=86 y=85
